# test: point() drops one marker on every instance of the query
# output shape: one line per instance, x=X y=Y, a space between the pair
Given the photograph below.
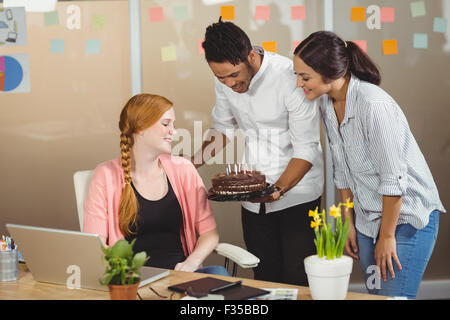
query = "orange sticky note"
x=298 y=13
x=387 y=14
x=358 y=14
x=270 y=46
x=362 y=44
x=262 y=13
x=227 y=12
x=390 y=47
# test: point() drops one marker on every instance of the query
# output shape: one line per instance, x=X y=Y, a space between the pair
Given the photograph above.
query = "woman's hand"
x=351 y=245
x=188 y=265
x=385 y=252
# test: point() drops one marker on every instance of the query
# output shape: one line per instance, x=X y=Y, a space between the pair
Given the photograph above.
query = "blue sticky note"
x=93 y=46
x=57 y=45
x=420 y=41
x=440 y=25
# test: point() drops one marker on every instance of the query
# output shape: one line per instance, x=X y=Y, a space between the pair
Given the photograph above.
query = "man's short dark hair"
x=226 y=42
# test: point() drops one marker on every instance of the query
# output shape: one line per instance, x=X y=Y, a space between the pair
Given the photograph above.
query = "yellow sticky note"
x=168 y=53
x=358 y=14
x=270 y=46
x=390 y=47
x=227 y=12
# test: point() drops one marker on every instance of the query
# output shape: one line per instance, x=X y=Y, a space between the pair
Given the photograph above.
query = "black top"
x=158 y=230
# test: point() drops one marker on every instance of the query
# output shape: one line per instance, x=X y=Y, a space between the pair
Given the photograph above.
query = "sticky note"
x=57 y=45
x=168 y=53
x=51 y=18
x=440 y=25
x=390 y=47
x=262 y=13
x=387 y=14
x=227 y=12
x=98 y=21
x=181 y=13
x=420 y=40
x=156 y=14
x=298 y=13
x=362 y=44
x=200 y=47
x=418 y=9
x=358 y=14
x=270 y=46
x=92 y=46
x=295 y=44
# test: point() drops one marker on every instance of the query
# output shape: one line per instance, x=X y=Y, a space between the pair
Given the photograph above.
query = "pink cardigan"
x=101 y=207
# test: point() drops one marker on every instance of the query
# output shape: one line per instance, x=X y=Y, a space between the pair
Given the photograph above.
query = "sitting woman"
x=150 y=195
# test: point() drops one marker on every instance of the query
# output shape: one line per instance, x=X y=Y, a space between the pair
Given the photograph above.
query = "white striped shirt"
x=375 y=154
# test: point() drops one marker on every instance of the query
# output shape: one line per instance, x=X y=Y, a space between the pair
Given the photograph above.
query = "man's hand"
x=274 y=196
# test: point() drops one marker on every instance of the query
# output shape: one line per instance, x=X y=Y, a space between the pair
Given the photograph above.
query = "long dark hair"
x=332 y=57
x=226 y=42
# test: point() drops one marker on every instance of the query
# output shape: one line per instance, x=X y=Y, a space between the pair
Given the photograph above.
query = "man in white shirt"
x=256 y=92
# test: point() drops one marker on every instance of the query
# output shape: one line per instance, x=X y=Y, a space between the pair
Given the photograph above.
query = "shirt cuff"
x=393 y=186
x=340 y=182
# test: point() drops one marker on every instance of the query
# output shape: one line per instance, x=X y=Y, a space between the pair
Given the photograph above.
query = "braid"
x=125 y=148
x=129 y=206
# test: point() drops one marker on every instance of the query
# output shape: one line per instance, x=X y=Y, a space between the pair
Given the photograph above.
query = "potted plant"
x=122 y=270
x=329 y=270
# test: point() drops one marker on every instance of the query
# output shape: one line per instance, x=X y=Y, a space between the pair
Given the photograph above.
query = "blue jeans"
x=216 y=270
x=414 y=249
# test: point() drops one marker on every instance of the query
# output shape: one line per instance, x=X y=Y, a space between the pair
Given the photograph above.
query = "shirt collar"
x=351 y=97
x=262 y=68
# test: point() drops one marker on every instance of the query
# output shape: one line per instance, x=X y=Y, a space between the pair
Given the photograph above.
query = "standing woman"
x=149 y=195
x=377 y=164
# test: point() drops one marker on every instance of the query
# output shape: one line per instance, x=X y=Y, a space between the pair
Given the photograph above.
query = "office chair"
x=239 y=256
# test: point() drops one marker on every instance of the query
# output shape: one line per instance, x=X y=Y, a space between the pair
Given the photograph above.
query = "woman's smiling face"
x=310 y=81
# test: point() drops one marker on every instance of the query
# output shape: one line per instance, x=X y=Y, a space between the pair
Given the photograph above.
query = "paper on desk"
x=279 y=294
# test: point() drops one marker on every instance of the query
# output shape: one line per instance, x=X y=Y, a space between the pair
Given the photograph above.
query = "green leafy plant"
x=330 y=241
x=122 y=267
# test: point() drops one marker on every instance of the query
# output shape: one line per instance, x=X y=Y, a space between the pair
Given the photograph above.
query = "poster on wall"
x=13 y=27
x=14 y=73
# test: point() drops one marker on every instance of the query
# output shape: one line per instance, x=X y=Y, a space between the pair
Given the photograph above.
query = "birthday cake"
x=242 y=181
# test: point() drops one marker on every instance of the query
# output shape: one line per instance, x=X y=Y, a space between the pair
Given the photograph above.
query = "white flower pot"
x=328 y=279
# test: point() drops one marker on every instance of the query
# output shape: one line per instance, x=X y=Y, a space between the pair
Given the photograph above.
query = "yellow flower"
x=317 y=220
x=335 y=211
x=348 y=204
x=314 y=224
x=313 y=213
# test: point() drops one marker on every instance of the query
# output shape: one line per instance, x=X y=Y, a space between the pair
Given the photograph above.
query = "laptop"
x=58 y=256
x=12 y=37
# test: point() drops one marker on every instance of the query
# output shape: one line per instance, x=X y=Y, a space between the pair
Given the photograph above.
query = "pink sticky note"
x=298 y=13
x=200 y=47
x=156 y=14
x=387 y=14
x=362 y=44
x=262 y=13
x=295 y=44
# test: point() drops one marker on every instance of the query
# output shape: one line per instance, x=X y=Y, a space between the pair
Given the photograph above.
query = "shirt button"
x=400 y=177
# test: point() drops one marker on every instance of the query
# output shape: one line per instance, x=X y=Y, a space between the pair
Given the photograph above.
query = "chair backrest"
x=81 y=181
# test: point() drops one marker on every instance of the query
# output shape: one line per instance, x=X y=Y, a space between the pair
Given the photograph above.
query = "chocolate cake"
x=236 y=183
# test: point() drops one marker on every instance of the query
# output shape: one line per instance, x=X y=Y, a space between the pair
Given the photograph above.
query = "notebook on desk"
x=55 y=255
x=204 y=285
